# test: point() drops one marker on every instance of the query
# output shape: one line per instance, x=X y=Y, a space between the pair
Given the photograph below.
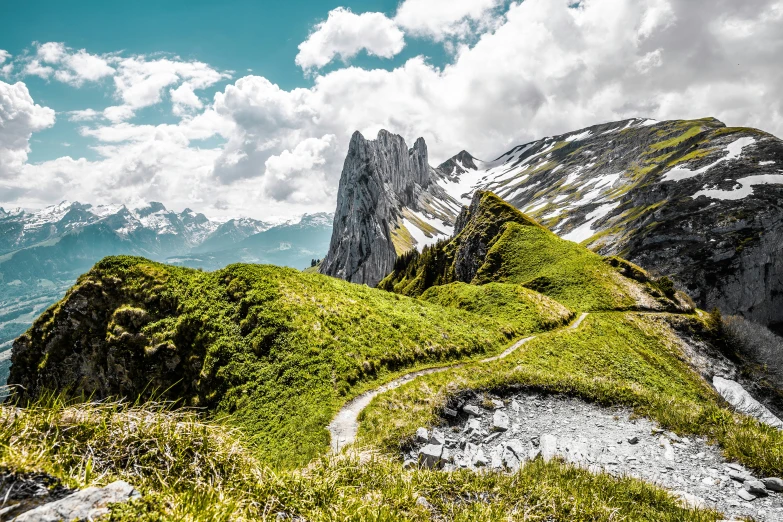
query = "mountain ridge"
x=691 y=199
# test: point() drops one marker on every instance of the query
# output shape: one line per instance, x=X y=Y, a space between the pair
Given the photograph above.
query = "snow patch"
x=745 y=190
x=585 y=230
x=765 y=163
x=734 y=151
x=579 y=137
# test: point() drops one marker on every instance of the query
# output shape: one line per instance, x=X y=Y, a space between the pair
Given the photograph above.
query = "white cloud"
x=440 y=19
x=73 y=68
x=298 y=173
x=83 y=115
x=51 y=52
x=19 y=118
x=344 y=34
x=140 y=82
x=35 y=68
x=650 y=61
x=540 y=69
x=5 y=70
x=184 y=99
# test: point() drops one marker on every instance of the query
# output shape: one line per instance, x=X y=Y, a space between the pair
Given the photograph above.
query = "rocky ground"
x=490 y=433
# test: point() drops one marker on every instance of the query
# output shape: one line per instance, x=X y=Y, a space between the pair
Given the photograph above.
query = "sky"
x=246 y=108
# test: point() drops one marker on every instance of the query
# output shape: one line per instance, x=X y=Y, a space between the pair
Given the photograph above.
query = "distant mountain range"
x=43 y=252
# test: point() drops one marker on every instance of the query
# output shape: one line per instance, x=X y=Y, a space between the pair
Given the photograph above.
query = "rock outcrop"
x=385 y=190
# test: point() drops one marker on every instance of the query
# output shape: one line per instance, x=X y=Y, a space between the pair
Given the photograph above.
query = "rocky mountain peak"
x=153 y=207
x=383 y=185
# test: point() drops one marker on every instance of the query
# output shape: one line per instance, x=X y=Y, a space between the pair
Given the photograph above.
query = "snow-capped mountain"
x=692 y=199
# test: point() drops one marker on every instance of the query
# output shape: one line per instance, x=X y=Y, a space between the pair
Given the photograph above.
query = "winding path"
x=345 y=425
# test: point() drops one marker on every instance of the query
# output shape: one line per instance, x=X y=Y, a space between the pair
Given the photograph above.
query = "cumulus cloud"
x=539 y=68
x=344 y=34
x=68 y=66
x=140 y=83
x=440 y=19
x=36 y=68
x=298 y=172
x=20 y=116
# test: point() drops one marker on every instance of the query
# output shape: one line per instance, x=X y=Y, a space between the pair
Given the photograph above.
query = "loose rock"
x=87 y=504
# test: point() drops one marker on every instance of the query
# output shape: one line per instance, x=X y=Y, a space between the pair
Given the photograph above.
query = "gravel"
x=601 y=440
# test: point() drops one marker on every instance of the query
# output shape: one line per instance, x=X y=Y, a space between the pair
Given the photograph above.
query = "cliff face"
x=385 y=191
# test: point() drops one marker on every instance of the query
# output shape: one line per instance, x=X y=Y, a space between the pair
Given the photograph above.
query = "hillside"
x=496 y=243
x=245 y=335
x=43 y=253
x=273 y=355
x=693 y=200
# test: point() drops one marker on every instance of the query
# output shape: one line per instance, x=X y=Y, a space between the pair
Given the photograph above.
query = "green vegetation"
x=519 y=309
x=276 y=349
x=189 y=470
x=613 y=359
x=269 y=355
x=500 y=244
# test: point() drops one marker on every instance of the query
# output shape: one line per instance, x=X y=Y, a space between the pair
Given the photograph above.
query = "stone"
x=746 y=495
x=633 y=440
x=480 y=459
x=510 y=460
x=497 y=404
x=87 y=504
x=739 y=476
x=431 y=456
x=773 y=484
x=517 y=447
x=472 y=410
x=548 y=447
x=500 y=421
x=421 y=501
x=743 y=402
x=689 y=500
x=756 y=488
x=496 y=457
x=448 y=412
x=492 y=437
x=422 y=435
x=437 y=438
x=668 y=450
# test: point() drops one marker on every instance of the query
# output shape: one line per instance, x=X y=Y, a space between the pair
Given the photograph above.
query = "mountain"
x=691 y=199
x=42 y=253
x=271 y=372
x=294 y=244
x=388 y=202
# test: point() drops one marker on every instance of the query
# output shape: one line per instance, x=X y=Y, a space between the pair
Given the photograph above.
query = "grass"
x=191 y=470
x=502 y=245
x=277 y=350
x=614 y=358
x=516 y=307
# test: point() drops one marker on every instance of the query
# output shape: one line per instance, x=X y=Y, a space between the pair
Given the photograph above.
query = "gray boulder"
x=87 y=504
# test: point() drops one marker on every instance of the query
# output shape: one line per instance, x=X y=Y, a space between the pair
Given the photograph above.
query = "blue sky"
x=244 y=108
x=261 y=36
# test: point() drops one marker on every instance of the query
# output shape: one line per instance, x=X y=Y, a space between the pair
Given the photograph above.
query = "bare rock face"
x=381 y=178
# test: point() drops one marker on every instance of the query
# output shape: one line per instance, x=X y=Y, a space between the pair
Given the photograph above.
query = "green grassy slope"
x=191 y=470
x=276 y=349
x=613 y=358
x=505 y=246
x=271 y=354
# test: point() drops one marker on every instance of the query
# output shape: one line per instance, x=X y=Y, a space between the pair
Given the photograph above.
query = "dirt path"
x=345 y=425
